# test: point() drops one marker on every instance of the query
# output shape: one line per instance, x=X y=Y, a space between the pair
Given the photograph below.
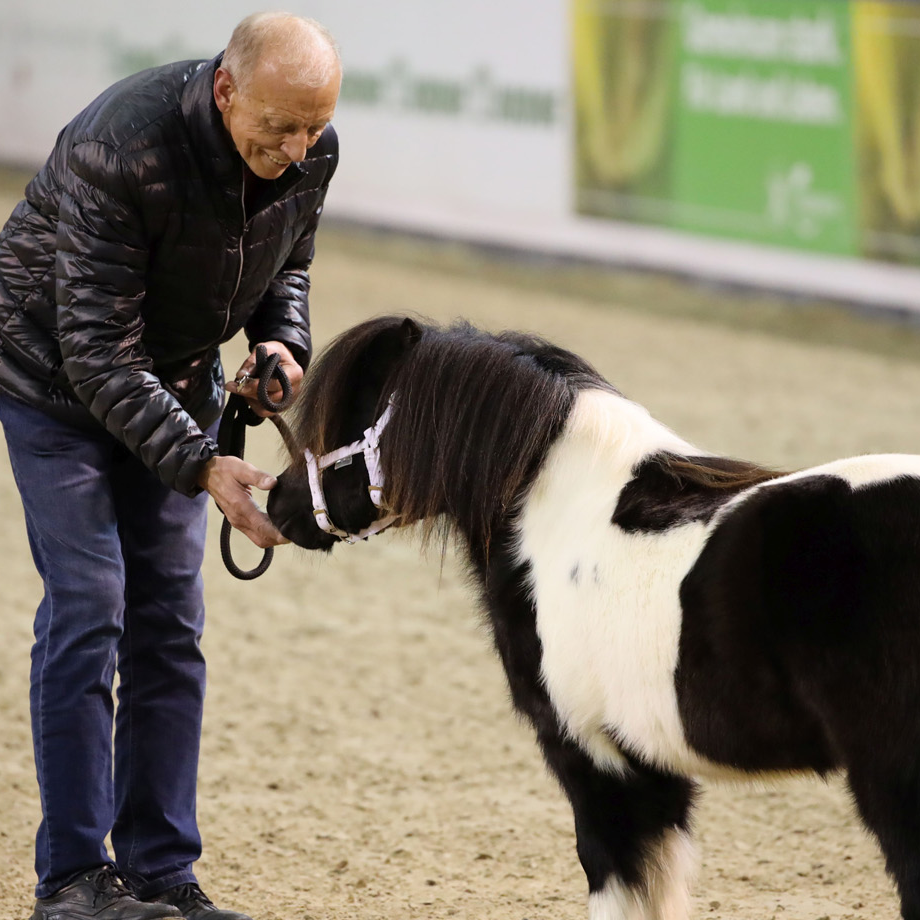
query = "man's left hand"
x=246 y=382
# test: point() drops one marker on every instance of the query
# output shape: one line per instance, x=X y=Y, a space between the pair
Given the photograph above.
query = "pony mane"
x=489 y=406
x=716 y=473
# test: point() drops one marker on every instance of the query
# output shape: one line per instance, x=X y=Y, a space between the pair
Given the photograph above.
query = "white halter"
x=369 y=445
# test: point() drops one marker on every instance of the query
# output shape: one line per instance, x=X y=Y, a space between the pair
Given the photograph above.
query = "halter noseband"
x=369 y=445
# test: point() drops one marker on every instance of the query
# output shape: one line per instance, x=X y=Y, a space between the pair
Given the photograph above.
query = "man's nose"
x=295 y=146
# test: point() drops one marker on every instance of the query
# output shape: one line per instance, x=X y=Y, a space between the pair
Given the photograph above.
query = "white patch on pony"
x=666 y=893
x=608 y=612
x=608 y=606
x=672 y=870
x=617 y=902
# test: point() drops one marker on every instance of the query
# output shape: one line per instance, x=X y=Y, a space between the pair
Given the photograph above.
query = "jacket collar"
x=212 y=144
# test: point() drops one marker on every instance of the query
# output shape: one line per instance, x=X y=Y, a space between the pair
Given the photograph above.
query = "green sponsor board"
x=793 y=123
x=763 y=138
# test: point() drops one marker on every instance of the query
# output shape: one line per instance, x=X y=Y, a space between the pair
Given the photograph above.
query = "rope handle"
x=231 y=441
x=267 y=368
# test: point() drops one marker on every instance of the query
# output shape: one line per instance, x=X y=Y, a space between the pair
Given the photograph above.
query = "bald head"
x=276 y=89
x=299 y=50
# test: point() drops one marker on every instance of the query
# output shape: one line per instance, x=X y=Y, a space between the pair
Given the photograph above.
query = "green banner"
x=764 y=138
x=793 y=123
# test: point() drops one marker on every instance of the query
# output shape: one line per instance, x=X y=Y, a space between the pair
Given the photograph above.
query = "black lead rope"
x=231 y=442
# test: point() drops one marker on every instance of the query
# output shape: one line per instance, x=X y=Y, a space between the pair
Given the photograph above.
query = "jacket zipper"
x=239 y=274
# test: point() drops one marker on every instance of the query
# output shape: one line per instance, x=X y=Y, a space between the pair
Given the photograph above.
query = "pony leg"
x=633 y=835
x=666 y=892
x=889 y=803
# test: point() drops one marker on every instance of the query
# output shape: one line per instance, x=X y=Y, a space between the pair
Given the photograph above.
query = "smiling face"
x=274 y=123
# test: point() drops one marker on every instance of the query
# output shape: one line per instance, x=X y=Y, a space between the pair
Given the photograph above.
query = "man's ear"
x=223 y=89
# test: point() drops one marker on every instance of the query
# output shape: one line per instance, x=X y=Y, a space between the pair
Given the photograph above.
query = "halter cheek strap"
x=369 y=446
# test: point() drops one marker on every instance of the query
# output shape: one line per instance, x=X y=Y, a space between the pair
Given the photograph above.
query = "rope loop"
x=231 y=442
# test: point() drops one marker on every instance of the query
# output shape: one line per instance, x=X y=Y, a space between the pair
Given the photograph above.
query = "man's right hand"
x=230 y=482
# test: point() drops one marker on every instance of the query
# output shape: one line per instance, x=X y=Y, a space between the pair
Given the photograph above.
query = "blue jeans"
x=120 y=557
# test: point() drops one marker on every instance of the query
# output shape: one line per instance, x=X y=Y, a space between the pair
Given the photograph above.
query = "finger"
x=257 y=407
x=270 y=534
x=259 y=528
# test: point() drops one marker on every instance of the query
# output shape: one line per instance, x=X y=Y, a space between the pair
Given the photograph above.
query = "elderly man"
x=178 y=208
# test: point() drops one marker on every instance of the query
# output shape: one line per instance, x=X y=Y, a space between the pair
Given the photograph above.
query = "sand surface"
x=360 y=757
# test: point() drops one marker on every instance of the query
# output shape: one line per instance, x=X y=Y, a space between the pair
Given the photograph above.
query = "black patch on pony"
x=667 y=490
x=801 y=620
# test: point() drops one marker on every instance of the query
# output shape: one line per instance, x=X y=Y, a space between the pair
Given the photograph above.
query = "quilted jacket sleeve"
x=100 y=286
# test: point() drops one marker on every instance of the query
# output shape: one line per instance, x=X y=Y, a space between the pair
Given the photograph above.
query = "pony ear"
x=388 y=347
x=389 y=340
x=411 y=331
x=349 y=383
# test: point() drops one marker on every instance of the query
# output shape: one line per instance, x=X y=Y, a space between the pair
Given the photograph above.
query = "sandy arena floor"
x=360 y=757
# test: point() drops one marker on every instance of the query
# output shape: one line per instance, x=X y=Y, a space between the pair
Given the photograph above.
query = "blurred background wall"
x=769 y=142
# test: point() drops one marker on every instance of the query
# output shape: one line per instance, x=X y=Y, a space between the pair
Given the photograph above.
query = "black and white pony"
x=663 y=615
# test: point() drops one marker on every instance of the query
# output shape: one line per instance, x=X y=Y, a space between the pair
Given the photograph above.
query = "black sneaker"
x=99 y=894
x=194 y=904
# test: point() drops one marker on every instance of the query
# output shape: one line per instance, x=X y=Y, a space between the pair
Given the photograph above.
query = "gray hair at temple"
x=303 y=49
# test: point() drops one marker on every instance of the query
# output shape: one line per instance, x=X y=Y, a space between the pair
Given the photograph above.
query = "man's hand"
x=249 y=385
x=230 y=481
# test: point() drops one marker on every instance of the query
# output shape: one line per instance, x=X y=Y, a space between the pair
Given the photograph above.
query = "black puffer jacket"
x=131 y=259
